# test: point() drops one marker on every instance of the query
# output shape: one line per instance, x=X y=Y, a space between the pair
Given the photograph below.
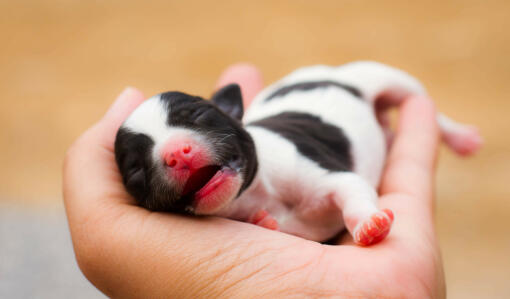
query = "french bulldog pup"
x=305 y=159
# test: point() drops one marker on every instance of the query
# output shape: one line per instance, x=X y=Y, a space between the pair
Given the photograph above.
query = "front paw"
x=264 y=219
x=374 y=229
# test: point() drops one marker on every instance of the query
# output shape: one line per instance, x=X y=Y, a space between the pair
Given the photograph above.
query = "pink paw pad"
x=262 y=218
x=465 y=141
x=374 y=229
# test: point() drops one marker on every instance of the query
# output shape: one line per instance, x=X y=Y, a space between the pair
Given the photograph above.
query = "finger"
x=90 y=170
x=125 y=103
x=411 y=161
x=407 y=185
x=247 y=76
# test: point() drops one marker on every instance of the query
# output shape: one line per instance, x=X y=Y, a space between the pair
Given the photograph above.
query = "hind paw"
x=374 y=229
x=465 y=141
x=264 y=219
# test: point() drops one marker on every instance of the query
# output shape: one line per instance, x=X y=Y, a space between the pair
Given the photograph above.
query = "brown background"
x=63 y=62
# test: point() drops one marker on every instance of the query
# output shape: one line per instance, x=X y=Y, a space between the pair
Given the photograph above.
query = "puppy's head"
x=180 y=153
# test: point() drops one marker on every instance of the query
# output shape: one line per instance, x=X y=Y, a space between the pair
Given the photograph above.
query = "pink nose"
x=179 y=157
x=183 y=156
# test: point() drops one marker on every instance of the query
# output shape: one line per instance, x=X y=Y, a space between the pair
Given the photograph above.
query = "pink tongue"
x=199 y=179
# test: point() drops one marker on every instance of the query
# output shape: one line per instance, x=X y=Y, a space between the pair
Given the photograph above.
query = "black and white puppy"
x=306 y=158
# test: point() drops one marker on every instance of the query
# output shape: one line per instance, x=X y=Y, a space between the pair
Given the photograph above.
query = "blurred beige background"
x=63 y=62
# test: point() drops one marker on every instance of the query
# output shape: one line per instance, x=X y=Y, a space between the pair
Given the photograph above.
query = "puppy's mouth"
x=199 y=179
x=210 y=188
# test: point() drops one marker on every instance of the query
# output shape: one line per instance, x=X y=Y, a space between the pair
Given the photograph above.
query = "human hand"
x=127 y=251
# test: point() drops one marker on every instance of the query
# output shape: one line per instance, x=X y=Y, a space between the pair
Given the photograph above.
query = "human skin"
x=129 y=252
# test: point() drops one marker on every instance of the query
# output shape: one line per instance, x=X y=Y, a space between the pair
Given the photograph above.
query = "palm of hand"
x=128 y=251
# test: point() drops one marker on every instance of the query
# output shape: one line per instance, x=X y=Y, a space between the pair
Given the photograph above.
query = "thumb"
x=247 y=76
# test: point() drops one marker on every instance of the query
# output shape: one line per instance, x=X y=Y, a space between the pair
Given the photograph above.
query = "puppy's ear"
x=230 y=100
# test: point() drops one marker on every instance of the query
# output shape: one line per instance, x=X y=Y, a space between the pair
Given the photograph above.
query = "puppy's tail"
x=389 y=86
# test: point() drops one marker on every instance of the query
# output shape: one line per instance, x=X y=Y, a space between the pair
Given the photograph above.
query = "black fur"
x=148 y=183
x=133 y=156
x=312 y=85
x=319 y=141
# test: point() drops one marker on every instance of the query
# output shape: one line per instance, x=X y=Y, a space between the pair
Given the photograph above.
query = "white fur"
x=285 y=179
x=338 y=107
x=305 y=199
x=150 y=118
x=371 y=78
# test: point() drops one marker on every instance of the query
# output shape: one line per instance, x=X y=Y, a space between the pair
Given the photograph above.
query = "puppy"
x=306 y=159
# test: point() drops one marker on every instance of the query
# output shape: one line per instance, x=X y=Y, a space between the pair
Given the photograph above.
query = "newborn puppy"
x=306 y=159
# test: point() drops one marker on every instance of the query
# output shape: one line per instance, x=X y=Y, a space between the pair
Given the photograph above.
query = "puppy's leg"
x=264 y=219
x=358 y=201
x=463 y=139
x=386 y=86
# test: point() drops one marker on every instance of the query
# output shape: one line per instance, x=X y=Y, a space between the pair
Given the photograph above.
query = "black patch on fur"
x=132 y=153
x=312 y=85
x=319 y=141
x=148 y=182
